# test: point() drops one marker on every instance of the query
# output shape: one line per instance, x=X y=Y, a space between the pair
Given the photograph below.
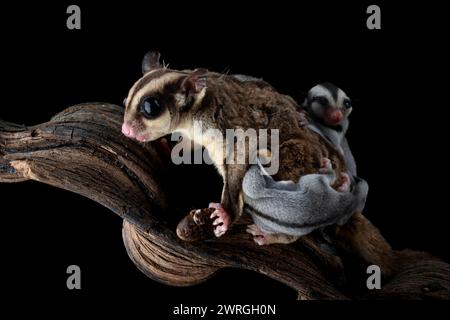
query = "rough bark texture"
x=83 y=151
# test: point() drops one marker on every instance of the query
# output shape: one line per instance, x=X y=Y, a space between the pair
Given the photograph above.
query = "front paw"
x=222 y=219
x=325 y=166
x=345 y=183
x=197 y=225
x=302 y=119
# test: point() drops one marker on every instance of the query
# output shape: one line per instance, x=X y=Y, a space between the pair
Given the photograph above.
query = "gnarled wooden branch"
x=82 y=150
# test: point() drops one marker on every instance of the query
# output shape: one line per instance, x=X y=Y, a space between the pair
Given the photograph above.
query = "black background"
x=396 y=76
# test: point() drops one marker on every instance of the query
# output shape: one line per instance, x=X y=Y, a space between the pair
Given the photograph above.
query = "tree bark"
x=82 y=150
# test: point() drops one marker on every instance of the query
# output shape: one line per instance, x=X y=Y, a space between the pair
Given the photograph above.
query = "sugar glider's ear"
x=151 y=61
x=192 y=85
x=300 y=96
x=195 y=82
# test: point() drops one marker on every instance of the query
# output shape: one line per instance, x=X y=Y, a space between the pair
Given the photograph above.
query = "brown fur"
x=228 y=103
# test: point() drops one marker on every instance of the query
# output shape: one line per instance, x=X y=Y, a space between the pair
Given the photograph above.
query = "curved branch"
x=82 y=150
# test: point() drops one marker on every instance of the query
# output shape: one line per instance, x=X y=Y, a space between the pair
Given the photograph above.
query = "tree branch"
x=82 y=150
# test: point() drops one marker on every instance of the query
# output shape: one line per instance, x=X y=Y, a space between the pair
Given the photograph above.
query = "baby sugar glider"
x=284 y=210
x=326 y=111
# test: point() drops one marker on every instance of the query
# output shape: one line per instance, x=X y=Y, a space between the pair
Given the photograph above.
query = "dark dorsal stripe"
x=151 y=76
x=332 y=89
x=251 y=210
x=146 y=79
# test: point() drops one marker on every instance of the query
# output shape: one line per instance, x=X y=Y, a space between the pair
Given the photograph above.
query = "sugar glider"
x=326 y=111
x=165 y=101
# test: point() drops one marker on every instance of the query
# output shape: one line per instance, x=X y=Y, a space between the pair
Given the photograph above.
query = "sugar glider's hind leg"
x=262 y=238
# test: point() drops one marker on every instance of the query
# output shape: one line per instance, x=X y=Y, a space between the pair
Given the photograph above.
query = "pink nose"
x=336 y=116
x=128 y=130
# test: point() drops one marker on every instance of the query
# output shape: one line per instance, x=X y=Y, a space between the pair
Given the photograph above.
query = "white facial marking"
x=340 y=99
x=154 y=85
x=319 y=90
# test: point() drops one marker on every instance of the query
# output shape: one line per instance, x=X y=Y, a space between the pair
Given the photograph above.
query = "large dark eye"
x=150 y=107
x=347 y=104
x=320 y=100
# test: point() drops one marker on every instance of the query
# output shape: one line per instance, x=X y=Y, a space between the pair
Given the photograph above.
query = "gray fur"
x=337 y=140
x=298 y=208
x=244 y=78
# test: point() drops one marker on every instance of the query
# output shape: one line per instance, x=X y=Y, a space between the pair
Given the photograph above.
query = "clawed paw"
x=302 y=119
x=222 y=219
x=325 y=166
x=345 y=183
x=259 y=236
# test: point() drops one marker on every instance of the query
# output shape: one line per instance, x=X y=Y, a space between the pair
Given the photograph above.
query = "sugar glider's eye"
x=320 y=100
x=150 y=107
x=347 y=104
